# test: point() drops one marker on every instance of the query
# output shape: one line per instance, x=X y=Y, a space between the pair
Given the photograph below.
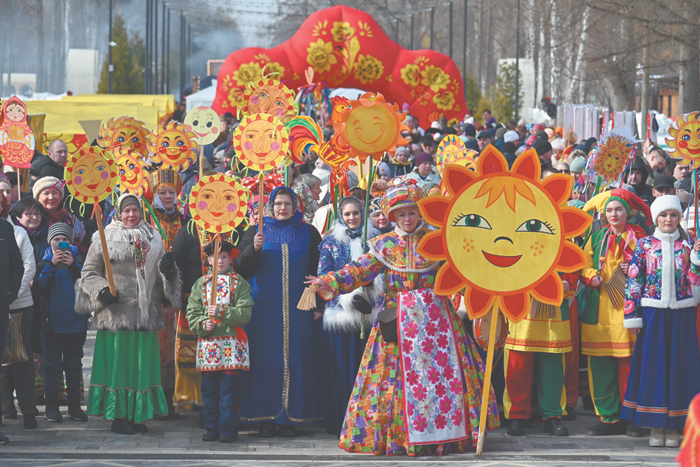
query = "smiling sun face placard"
x=684 y=139
x=91 y=174
x=269 y=96
x=261 y=142
x=173 y=144
x=205 y=124
x=133 y=174
x=124 y=132
x=504 y=234
x=218 y=203
x=371 y=127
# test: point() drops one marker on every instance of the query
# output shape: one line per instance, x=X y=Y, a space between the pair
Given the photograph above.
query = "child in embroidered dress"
x=222 y=347
x=660 y=309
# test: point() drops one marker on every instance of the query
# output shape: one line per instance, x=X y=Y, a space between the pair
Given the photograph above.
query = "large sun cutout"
x=371 y=127
x=261 y=142
x=271 y=97
x=174 y=145
x=218 y=203
x=91 y=174
x=504 y=234
x=124 y=131
x=133 y=173
x=684 y=139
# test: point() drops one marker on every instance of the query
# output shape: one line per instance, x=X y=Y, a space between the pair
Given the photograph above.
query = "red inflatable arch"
x=347 y=48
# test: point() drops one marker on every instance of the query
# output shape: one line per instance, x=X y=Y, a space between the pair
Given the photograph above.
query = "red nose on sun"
x=500 y=182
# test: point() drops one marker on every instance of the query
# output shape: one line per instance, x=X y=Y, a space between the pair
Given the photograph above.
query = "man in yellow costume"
x=608 y=345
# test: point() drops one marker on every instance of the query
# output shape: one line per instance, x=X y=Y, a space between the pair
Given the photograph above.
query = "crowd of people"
x=628 y=320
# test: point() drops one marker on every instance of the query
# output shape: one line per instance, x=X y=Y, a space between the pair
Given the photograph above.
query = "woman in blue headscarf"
x=282 y=387
x=343 y=316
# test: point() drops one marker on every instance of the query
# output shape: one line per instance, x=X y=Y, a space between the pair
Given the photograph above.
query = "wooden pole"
x=105 y=251
x=261 y=202
x=487 y=379
x=215 y=271
x=19 y=185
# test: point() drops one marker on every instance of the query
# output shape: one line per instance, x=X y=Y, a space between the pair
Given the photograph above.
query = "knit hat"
x=542 y=146
x=125 y=200
x=401 y=149
x=537 y=127
x=423 y=157
x=46 y=183
x=374 y=206
x=666 y=203
x=383 y=169
x=470 y=131
x=511 y=136
x=59 y=228
x=578 y=164
x=400 y=196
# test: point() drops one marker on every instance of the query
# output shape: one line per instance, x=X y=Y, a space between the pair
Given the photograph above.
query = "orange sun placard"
x=133 y=174
x=91 y=174
x=505 y=234
x=450 y=151
x=371 y=127
x=174 y=145
x=684 y=139
x=261 y=142
x=124 y=132
x=218 y=203
x=269 y=96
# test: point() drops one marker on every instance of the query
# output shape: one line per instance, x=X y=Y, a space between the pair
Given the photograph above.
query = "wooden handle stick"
x=486 y=390
x=105 y=251
x=261 y=203
x=215 y=271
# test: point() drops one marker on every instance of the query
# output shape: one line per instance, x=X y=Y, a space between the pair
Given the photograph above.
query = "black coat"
x=43 y=166
x=11 y=269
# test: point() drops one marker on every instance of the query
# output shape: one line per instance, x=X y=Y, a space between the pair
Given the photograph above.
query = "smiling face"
x=684 y=139
x=218 y=203
x=50 y=199
x=261 y=142
x=370 y=129
x=133 y=176
x=496 y=238
x=268 y=99
x=174 y=145
x=15 y=112
x=124 y=133
x=91 y=174
x=205 y=123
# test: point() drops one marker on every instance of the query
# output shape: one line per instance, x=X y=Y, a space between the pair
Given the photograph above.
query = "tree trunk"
x=644 y=101
x=689 y=69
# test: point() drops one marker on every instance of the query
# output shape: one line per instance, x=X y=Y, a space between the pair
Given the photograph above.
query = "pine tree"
x=500 y=97
x=127 y=58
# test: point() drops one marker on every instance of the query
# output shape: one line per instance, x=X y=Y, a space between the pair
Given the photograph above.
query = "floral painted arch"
x=346 y=47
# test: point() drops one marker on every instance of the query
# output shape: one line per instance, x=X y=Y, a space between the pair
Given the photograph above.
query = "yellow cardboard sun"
x=124 y=132
x=504 y=234
x=173 y=144
x=684 y=139
x=612 y=157
x=133 y=174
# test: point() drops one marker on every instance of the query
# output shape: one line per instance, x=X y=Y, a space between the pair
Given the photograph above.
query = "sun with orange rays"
x=370 y=126
x=174 y=145
x=503 y=234
x=684 y=139
x=124 y=132
x=611 y=157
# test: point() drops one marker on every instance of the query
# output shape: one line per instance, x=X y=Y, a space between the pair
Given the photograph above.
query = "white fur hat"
x=47 y=182
x=665 y=203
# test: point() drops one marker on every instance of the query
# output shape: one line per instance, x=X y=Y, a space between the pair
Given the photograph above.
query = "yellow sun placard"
x=174 y=145
x=684 y=139
x=261 y=142
x=609 y=159
x=504 y=234
x=271 y=97
x=133 y=174
x=218 y=203
x=124 y=132
x=91 y=174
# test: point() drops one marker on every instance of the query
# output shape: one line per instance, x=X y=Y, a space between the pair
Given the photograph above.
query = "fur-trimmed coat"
x=337 y=250
x=126 y=314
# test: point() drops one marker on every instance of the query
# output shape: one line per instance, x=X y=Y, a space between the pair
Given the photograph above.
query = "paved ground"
x=179 y=442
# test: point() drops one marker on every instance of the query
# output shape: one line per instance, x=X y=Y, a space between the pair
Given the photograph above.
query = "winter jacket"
x=236 y=315
x=44 y=166
x=425 y=182
x=397 y=169
x=126 y=314
x=38 y=238
x=58 y=314
x=24 y=297
x=11 y=269
x=654 y=281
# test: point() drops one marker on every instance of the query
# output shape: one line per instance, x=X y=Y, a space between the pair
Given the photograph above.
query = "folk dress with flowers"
x=428 y=383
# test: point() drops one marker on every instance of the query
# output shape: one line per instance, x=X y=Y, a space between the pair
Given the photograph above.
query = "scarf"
x=146 y=254
x=309 y=206
x=352 y=233
x=158 y=204
x=287 y=231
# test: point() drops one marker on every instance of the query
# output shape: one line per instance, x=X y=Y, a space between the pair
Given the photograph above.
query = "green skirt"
x=125 y=381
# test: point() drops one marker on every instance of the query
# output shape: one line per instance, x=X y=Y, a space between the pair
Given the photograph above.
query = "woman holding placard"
x=126 y=381
x=283 y=386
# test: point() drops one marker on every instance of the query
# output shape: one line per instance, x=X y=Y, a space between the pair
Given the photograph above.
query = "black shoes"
x=516 y=428
x=53 y=414
x=77 y=414
x=634 y=431
x=555 y=427
x=211 y=435
x=605 y=429
x=570 y=414
x=266 y=430
x=228 y=439
x=10 y=414
x=138 y=427
x=29 y=421
x=122 y=427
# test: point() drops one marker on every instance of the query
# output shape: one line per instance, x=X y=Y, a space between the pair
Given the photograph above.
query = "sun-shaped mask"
x=133 y=174
x=684 y=139
x=91 y=174
x=218 y=203
x=205 y=123
x=173 y=144
x=271 y=97
x=610 y=157
x=261 y=142
x=371 y=127
x=504 y=234
x=450 y=149
x=124 y=131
